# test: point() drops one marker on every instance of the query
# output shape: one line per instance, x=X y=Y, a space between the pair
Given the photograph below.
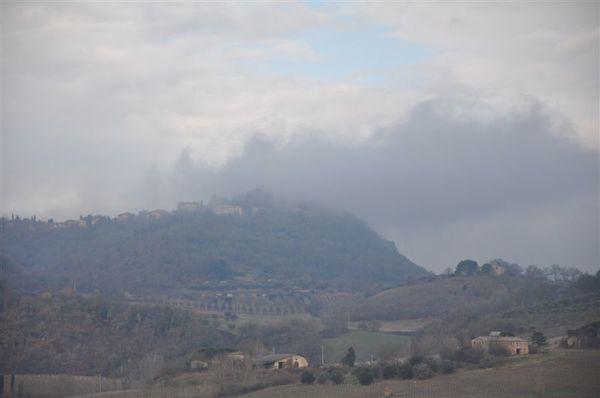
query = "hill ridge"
x=268 y=244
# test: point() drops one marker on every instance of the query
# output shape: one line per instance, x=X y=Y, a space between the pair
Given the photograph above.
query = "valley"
x=186 y=303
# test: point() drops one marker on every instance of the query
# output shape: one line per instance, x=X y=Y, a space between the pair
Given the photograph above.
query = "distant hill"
x=474 y=305
x=441 y=296
x=251 y=241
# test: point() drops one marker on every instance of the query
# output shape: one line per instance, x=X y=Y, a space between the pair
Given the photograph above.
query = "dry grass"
x=270 y=320
x=366 y=344
x=555 y=322
x=557 y=374
x=433 y=299
x=399 y=326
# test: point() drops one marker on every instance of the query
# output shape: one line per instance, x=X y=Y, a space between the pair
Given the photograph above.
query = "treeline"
x=499 y=267
x=495 y=287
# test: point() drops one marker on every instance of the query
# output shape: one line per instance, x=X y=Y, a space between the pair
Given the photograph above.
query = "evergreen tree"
x=466 y=268
x=307 y=377
x=539 y=339
x=349 y=358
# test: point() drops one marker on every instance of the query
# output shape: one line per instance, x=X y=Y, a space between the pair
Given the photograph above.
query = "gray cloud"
x=98 y=101
x=450 y=181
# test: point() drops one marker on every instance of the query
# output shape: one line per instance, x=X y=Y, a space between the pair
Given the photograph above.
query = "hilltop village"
x=216 y=205
x=236 y=295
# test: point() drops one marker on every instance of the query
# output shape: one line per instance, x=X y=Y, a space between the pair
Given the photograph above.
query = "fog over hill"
x=252 y=241
x=188 y=187
x=453 y=130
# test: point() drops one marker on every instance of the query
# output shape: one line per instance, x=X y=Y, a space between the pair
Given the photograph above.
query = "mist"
x=472 y=133
x=442 y=188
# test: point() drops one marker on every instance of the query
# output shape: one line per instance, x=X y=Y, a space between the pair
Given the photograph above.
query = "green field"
x=365 y=344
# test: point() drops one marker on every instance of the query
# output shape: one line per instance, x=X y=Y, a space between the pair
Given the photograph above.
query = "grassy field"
x=556 y=374
x=365 y=344
x=555 y=317
x=433 y=299
x=270 y=320
x=399 y=326
x=560 y=373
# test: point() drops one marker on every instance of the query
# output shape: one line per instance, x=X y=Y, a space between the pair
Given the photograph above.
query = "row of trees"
x=555 y=272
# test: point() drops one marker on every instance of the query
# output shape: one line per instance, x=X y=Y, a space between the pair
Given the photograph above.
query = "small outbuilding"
x=197 y=364
x=282 y=361
x=587 y=336
x=236 y=356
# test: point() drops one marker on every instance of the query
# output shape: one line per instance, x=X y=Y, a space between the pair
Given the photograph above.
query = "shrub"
x=323 y=377
x=422 y=371
x=448 y=353
x=365 y=376
x=336 y=376
x=487 y=361
x=405 y=371
x=468 y=355
x=434 y=363
x=307 y=377
x=415 y=360
x=447 y=366
x=390 y=371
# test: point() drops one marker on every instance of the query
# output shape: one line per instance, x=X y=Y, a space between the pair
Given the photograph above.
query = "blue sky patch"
x=367 y=55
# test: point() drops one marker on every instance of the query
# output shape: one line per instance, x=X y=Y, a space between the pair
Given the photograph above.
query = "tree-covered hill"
x=83 y=336
x=270 y=243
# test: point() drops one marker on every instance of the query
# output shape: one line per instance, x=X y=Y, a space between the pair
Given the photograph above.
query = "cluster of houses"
x=217 y=205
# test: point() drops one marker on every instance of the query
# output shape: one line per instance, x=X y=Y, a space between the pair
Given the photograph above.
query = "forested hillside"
x=268 y=245
x=83 y=336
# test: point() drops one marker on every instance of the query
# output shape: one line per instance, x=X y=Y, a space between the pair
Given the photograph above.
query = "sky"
x=457 y=130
